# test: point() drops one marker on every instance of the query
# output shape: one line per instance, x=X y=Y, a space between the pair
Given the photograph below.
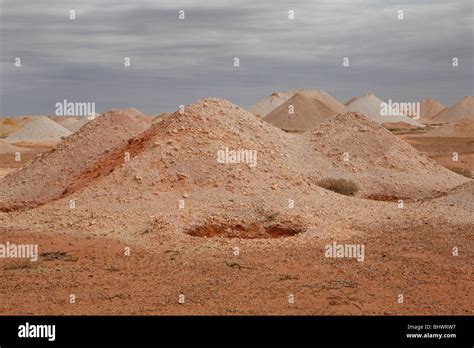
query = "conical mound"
x=40 y=130
x=270 y=103
x=370 y=105
x=428 y=108
x=50 y=175
x=382 y=164
x=464 y=108
x=299 y=113
x=324 y=97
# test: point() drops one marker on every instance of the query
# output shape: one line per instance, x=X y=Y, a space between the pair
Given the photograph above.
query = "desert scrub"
x=342 y=186
x=461 y=171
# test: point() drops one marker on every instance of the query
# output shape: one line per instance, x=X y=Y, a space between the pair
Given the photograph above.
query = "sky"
x=176 y=61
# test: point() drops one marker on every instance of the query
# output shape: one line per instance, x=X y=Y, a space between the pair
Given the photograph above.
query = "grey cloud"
x=175 y=62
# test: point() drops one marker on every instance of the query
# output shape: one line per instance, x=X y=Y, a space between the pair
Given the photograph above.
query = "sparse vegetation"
x=461 y=171
x=342 y=186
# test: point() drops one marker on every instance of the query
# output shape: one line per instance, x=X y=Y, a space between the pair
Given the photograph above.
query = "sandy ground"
x=441 y=149
x=415 y=262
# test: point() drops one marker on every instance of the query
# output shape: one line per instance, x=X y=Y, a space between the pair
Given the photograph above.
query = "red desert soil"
x=182 y=213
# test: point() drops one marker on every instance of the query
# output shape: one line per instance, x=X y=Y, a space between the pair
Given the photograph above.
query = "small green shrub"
x=342 y=186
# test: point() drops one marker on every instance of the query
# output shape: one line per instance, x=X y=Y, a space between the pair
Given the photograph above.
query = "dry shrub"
x=461 y=171
x=342 y=186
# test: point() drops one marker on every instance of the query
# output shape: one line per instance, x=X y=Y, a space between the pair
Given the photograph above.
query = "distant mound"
x=268 y=104
x=50 y=175
x=429 y=108
x=370 y=105
x=40 y=130
x=463 y=108
x=307 y=113
x=458 y=129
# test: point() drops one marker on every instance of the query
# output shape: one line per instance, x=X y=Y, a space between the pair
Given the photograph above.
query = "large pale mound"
x=40 y=130
x=428 y=108
x=268 y=104
x=50 y=175
x=459 y=129
x=382 y=164
x=307 y=113
x=370 y=105
x=464 y=108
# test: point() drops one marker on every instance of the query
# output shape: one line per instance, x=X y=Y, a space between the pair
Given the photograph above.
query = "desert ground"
x=135 y=214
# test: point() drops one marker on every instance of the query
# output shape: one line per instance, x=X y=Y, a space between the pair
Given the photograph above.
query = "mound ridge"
x=429 y=108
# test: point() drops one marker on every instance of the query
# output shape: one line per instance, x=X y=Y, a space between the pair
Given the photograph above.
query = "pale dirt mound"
x=8 y=126
x=308 y=113
x=370 y=105
x=9 y=148
x=268 y=104
x=324 y=97
x=428 y=108
x=133 y=112
x=464 y=108
x=40 y=130
x=50 y=175
x=385 y=167
x=460 y=128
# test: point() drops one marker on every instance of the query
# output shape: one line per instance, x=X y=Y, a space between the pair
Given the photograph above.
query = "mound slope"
x=383 y=165
x=463 y=108
x=270 y=103
x=429 y=108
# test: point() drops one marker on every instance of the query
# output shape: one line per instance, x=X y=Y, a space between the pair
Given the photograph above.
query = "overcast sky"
x=177 y=61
